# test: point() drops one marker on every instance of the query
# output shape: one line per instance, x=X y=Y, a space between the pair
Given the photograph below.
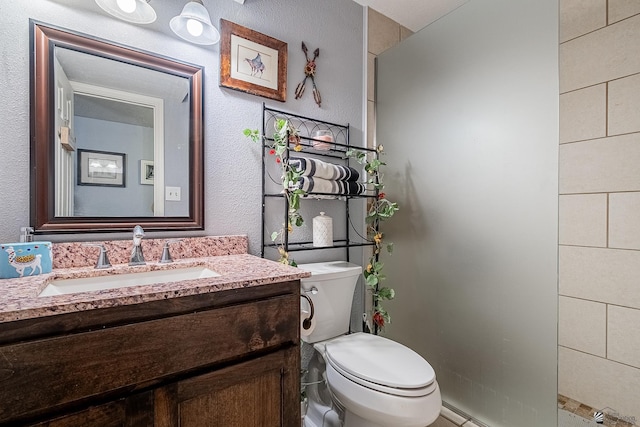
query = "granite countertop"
x=19 y=297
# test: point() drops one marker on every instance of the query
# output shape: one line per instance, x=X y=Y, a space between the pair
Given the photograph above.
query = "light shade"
x=135 y=11
x=194 y=24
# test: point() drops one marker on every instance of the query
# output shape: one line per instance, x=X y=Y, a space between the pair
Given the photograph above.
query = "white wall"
x=467 y=110
x=232 y=164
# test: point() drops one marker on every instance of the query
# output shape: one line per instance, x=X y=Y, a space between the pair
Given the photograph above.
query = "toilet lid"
x=378 y=360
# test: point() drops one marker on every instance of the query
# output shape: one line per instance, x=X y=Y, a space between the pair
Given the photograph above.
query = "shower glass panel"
x=467 y=110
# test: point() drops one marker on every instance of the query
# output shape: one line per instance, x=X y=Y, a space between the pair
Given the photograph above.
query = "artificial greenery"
x=380 y=209
x=285 y=134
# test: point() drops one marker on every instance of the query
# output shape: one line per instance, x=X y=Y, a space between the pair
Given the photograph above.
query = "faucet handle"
x=103 y=259
x=166 y=255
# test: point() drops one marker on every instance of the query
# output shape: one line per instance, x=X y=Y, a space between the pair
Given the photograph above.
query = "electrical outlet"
x=172 y=193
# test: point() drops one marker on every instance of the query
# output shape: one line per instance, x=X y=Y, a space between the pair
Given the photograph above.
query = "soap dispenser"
x=26 y=234
x=322 y=231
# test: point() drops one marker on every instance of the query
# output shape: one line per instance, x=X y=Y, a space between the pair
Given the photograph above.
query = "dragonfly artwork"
x=309 y=72
x=256 y=65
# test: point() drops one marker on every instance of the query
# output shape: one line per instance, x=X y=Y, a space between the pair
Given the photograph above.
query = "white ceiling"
x=413 y=14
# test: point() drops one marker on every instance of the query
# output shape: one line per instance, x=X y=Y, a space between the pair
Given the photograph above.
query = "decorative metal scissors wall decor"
x=309 y=72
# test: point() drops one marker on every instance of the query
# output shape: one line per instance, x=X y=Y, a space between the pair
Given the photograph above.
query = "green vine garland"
x=285 y=134
x=380 y=209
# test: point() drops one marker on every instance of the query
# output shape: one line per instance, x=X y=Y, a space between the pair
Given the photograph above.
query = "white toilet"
x=360 y=380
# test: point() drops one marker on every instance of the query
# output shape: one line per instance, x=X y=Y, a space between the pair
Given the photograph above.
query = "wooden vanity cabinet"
x=246 y=394
x=229 y=358
x=132 y=411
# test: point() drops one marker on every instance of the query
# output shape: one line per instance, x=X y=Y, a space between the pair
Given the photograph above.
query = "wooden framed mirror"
x=116 y=136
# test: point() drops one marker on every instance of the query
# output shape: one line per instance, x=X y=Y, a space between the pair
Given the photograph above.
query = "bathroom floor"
x=569 y=419
x=572 y=413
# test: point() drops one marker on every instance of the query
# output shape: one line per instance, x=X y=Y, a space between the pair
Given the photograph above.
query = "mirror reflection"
x=121 y=133
x=125 y=111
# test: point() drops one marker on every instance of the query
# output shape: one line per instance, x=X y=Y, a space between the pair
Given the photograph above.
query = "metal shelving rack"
x=337 y=154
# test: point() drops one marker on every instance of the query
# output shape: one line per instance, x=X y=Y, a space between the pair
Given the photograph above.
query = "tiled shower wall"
x=599 y=266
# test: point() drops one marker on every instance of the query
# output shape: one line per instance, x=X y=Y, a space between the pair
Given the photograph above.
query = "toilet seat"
x=379 y=382
x=380 y=364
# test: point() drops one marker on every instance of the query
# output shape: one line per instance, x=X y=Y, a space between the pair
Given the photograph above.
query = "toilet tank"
x=335 y=282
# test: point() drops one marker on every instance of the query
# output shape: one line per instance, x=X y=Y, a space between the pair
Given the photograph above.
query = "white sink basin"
x=116 y=281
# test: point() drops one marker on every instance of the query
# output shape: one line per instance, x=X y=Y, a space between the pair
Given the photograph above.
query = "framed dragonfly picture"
x=252 y=62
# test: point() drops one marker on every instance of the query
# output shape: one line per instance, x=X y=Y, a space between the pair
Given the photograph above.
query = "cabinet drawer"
x=56 y=372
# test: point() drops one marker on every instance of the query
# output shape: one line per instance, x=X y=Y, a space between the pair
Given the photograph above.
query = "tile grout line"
x=607 y=219
x=599 y=357
x=606 y=332
x=595 y=30
x=613 y=248
x=599 y=302
x=599 y=138
x=606 y=109
x=599 y=192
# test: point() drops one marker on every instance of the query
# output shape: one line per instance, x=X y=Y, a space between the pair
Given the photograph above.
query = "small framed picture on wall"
x=101 y=168
x=252 y=62
x=146 y=172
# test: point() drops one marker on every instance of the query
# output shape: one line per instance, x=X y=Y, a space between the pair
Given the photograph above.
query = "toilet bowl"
x=360 y=379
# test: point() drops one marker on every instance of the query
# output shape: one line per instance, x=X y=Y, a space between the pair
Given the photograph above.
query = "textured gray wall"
x=468 y=115
x=232 y=164
x=103 y=135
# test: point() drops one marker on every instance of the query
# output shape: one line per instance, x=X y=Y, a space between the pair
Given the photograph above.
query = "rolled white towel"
x=320 y=169
x=319 y=185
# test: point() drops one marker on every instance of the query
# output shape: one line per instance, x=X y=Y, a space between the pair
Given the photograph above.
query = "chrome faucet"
x=137 y=258
x=103 y=259
x=166 y=255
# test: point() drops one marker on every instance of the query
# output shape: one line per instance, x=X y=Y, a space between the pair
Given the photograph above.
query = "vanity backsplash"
x=77 y=254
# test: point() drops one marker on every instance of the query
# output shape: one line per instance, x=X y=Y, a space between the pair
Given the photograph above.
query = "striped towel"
x=319 y=185
x=319 y=169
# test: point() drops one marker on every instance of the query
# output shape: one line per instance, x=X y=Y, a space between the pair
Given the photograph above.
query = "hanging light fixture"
x=194 y=24
x=135 y=11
